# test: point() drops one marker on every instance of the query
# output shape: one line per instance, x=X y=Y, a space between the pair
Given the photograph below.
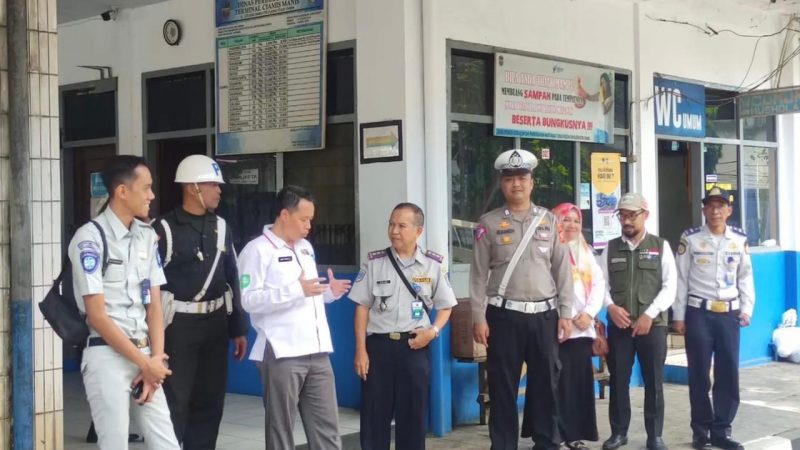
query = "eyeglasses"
x=628 y=216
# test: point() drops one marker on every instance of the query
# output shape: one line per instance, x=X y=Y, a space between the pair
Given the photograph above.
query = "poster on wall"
x=98 y=193
x=679 y=108
x=540 y=98
x=270 y=75
x=606 y=191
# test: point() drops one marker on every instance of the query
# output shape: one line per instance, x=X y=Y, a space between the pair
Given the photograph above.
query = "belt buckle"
x=394 y=335
x=719 y=306
x=141 y=342
x=199 y=307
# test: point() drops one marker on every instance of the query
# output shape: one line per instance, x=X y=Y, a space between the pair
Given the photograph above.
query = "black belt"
x=96 y=341
x=394 y=336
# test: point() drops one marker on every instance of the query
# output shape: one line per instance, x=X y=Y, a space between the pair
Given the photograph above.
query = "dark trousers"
x=577 y=416
x=197 y=345
x=397 y=386
x=651 y=349
x=710 y=333
x=514 y=338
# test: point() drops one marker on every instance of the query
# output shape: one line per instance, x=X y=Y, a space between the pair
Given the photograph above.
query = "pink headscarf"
x=580 y=253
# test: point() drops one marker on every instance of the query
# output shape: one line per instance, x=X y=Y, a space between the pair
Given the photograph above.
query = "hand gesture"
x=642 y=325
x=239 y=347
x=156 y=370
x=582 y=321
x=564 y=329
x=744 y=320
x=422 y=337
x=620 y=317
x=338 y=287
x=480 y=332
x=313 y=286
x=679 y=326
x=361 y=364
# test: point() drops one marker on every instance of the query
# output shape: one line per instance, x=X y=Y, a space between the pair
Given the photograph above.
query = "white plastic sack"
x=786 y=341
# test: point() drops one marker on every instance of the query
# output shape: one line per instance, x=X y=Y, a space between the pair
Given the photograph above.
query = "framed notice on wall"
x=270 y=75
x=541 y=98
x=381 y=141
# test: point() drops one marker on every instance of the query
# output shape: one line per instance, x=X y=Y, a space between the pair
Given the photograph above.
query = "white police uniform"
x=715 y=285
x=132 y=268
x=293 y=340
x=399 y=377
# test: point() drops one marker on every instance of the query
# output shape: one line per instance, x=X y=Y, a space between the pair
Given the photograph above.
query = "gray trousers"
x=305 y=383
x=107 y=376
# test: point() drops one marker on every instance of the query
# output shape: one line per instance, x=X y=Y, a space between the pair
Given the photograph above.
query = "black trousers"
x=577 y=415
x=397 y=386
x=197 y=345
x=514 y=338
x=710 y=333
x=651 y=349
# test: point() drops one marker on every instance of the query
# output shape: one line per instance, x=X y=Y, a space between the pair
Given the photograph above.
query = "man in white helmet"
x=202 y=306
x=522 y=291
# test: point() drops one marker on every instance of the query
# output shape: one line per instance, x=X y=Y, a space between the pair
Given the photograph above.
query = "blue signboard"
x=679 y=108
x=769 y=102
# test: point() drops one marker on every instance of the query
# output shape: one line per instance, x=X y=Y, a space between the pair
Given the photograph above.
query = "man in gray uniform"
x=395 y=291
x=120 y=295
x=529 y=297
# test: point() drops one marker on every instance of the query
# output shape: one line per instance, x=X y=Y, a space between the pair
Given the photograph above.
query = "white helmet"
x=198 y=169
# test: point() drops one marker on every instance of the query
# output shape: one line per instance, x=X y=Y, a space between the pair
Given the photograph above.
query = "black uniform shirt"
x=186 y=272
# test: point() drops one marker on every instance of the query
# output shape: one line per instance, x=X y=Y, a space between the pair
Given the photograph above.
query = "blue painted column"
x=441 y=397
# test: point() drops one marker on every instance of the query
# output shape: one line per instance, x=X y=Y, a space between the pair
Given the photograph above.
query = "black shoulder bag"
x=59 y=306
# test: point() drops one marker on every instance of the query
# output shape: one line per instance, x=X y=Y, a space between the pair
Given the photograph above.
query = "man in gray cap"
x=521 y=289
x=715 y=298
x=642 y=280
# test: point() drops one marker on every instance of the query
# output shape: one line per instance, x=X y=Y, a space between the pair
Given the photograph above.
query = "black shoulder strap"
x=105 y=245
x=405 y=280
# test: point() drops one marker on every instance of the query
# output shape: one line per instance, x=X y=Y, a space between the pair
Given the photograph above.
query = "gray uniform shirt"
x=714 y=268
x=378 y=280
x=542 y=272
x=133 y=264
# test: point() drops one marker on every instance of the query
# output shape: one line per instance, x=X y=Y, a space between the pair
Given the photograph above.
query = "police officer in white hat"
x=117 y=275
x=522 y=291
x=201 y=301
x=715 y=298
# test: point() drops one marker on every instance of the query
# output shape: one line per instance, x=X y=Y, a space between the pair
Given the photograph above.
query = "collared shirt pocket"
x=384 y=298
x=115 y=271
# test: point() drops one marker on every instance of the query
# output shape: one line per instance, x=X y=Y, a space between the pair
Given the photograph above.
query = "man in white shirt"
x=642 y=281
x=286 y=300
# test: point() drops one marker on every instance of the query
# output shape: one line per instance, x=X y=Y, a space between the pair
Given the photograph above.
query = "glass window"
x=721 y=114
x=89 y=114
x=554 y=177
x=759 y=188
x=720 y=161
x=176 y=102
x=472 y=83
x=473 y=181
x=621 y=101
x=330 y=176
x=759 y=128
x=248 y=196
x=341 y=83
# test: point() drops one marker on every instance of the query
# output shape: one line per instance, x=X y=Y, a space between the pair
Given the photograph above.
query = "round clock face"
x=172 y=32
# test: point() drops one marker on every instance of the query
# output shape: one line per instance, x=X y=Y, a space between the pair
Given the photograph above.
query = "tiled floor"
x=242 y=423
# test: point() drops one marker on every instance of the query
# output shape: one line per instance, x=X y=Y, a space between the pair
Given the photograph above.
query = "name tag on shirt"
x=284 y=258
x=384 y=281
x=416 y=310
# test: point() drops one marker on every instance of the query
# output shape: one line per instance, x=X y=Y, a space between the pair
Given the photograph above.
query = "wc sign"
x=679 y=108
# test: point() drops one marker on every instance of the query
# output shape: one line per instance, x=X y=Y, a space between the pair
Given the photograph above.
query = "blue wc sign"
x=679 y=108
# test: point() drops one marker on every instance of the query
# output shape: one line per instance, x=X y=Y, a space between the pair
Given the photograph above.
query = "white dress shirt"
x=593 y=304
x=269 y=273
x=669 y=278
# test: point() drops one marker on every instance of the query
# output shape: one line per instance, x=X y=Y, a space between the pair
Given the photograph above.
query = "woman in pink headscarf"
x=577 y=418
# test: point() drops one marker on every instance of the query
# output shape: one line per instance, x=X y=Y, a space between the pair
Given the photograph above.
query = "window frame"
x=462 y=46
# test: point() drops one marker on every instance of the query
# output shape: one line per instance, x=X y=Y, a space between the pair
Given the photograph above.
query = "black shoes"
x=576 y=445
x=701 y=443
x=726 y=443
x=615 y=441
x=656 y=443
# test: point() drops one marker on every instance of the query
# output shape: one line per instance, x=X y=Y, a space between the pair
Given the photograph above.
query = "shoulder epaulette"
x=692 y=231
x=739 y=231
x=376 y=254
x=434 y=256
